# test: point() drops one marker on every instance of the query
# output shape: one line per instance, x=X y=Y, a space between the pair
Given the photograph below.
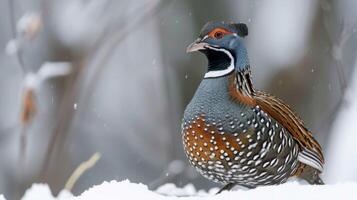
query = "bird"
x=236 y=135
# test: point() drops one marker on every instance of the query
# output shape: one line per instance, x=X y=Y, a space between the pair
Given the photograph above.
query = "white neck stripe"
x=218 y=73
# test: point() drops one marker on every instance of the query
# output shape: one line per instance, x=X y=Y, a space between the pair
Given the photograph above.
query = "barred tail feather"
x=310 y=158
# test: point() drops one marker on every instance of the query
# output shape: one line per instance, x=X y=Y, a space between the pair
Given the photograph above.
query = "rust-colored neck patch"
x=241 y=88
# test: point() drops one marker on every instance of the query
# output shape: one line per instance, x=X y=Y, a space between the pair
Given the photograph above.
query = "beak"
x=196 y=46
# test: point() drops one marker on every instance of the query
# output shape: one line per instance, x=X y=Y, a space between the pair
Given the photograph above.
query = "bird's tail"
x=310 y=174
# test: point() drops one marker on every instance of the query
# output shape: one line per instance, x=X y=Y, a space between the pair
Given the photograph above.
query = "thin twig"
x=337 y=56
x=23 y=147
x=65 y=115
x=83 y=167
x=23 y=128
x=14 y=34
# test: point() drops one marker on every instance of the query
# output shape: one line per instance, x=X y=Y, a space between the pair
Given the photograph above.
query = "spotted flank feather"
x=246 y=152
x=242 y=91
x=310 y=150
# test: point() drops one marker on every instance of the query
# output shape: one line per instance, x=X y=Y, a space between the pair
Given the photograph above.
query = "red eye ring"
x=219 y=33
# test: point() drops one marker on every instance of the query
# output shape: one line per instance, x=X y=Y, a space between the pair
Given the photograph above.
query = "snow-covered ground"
x=126 y=190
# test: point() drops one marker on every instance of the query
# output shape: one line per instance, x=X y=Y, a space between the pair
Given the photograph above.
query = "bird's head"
x=222 y=43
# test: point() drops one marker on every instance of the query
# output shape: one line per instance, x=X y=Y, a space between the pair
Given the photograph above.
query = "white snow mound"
x=40 y=191
x=126 y=190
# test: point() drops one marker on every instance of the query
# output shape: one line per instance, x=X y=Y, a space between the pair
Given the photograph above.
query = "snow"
x=123 y=190
x=12 y=47
x=170 y=189
x=29 y=25
x=292 y=190
x=47 y=70
x=43 y=192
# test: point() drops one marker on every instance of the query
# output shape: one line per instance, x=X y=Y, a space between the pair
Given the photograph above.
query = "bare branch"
x=13 y=31
x=106 y=43
x=336 y=53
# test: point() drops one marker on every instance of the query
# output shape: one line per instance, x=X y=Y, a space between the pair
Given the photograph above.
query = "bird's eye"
x=218 y=34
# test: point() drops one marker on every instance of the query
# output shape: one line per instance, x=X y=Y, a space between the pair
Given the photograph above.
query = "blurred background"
x=84 y=76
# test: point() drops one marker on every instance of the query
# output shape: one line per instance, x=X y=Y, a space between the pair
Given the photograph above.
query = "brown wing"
x=310 y=150
x=281 y=112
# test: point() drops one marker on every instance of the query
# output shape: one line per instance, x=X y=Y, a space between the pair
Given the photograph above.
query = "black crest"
x=242 y=29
